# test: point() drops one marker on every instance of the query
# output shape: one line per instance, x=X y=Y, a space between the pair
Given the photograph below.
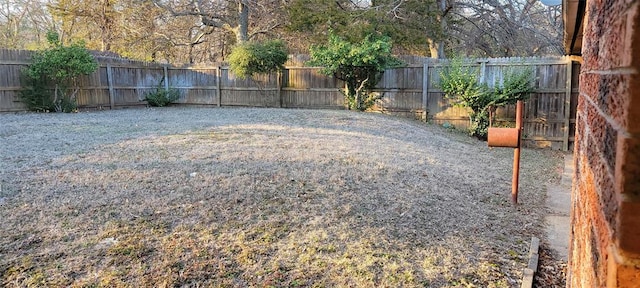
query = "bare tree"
x=499 y=28
x=23 y=23
x=245 y=19
x=90 y=16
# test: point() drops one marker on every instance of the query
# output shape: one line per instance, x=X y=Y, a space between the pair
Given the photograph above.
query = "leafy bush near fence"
x=461 y=83
x=48 y=79
x=252 y=58
x=359 y=65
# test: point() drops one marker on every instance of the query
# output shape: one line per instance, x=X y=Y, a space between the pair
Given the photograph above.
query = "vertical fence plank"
x=567 y=105
x=112 y=92
x=219 y=85
x=279 y=87
x=425 y=90
x=483 y=70
x=166 y=77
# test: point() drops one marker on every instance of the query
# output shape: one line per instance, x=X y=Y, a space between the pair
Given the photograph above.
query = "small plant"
x=162 y=97
x=50 y=81
x=248 y=59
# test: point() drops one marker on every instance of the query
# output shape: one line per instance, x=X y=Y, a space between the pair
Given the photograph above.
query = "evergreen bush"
x=50 y=81
x=162 y=97
x=250 y=58
x=360 y=65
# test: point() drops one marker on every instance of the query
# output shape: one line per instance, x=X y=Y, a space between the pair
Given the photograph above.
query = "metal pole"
x=516 y=154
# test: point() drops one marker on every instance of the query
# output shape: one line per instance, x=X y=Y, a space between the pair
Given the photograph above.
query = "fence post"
x=112 y=100
x=166 y=78
x=425 y=90
x=483 y=70
x=279 y=80
x=219 y=82
x=567 y=105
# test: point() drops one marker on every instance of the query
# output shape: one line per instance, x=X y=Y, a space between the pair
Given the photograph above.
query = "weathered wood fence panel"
x=305 y=87
x=10 y=87
x=259 y=91
x=197 y=85
x=401 y=91
x=11 y=64
x=131 y=84
x=410 y=91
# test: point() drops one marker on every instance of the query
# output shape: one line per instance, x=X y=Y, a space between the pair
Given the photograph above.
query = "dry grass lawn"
x=201 y=197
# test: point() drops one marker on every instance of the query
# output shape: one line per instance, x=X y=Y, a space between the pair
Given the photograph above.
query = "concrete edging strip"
x=532 y=265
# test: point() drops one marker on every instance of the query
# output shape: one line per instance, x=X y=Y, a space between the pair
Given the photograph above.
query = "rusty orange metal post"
x=510 y=137
x=516 y=154
x=503 y=137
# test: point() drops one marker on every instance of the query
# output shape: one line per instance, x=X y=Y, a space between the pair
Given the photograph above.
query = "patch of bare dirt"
x=260 y=197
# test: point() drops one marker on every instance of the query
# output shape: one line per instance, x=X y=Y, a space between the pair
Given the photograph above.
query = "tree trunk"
x=436 y=47
x=242 y=34
x=106 y=25
x=351 y=93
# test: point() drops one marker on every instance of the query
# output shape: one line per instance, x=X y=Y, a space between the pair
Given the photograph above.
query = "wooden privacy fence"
x=409 y=91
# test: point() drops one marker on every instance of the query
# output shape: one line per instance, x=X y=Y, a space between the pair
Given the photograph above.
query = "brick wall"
x=605 y=215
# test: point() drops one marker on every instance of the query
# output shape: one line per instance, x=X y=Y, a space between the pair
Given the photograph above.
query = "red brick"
x=612 y=275
x=608 y=92
x=621 y=274
x=616 y=105
x=629 y=234
x=610 y=56
x=592 y=232
x=628 y=276
x=628 y=168
x=605 y=31
x=614 y=9
x=589 y=48
x=605 y=136
x=632 y=107
x=579 y=272
x=576 y=234
x=582 y=272
x=632 y=44
x=589 y=84
x=593 y=119
x=603 y=182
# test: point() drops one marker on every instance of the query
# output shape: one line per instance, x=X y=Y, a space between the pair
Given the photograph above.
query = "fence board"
x=330 y=98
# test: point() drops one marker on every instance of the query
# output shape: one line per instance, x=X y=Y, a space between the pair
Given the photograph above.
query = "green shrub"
x=461 y=84
x=162 y=97
x=36 y=94
x=516 y=85
x=360 y=65
x=50 y=81
x=250 y=58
